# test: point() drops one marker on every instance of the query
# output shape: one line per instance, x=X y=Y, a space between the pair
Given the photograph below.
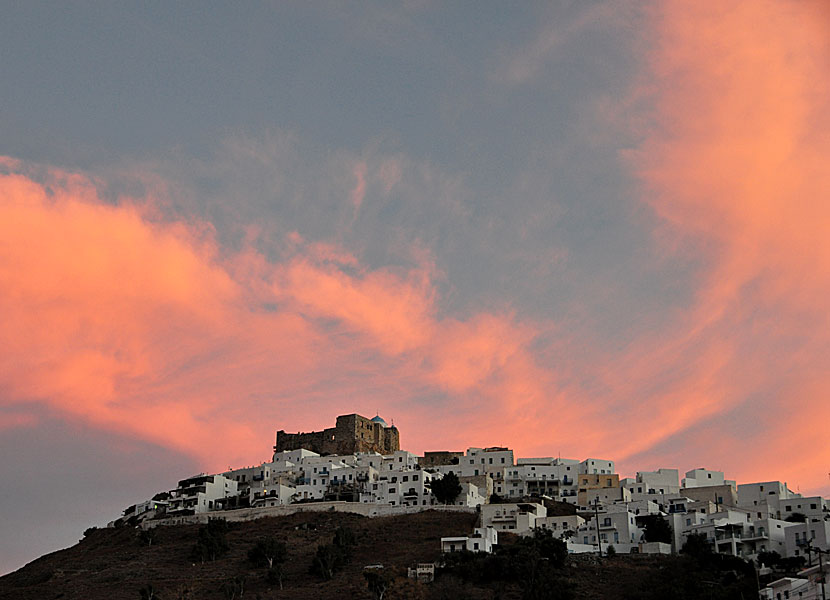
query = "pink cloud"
x=735 y=166
x=140 y=325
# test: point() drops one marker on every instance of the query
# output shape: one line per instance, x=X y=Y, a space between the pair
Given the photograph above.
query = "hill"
x=113 y=564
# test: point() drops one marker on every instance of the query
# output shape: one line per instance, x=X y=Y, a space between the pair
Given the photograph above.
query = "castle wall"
x=351 y=434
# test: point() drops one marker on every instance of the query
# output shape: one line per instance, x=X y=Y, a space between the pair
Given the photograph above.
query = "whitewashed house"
x=596 y=466
x=798 y=537
x=561 y=526
x=483 y=539
x=754 y=496
x=519 y=518
x=200 y=494
x=705 y=478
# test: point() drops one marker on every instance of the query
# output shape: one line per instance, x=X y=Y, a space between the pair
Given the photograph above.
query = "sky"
x=572 y=228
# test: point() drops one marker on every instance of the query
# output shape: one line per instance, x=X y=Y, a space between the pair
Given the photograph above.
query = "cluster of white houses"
x=742 y=520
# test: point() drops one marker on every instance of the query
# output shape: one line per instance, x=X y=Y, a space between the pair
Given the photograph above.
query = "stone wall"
x=359 y=508
x=351 y=434
x=440 y=458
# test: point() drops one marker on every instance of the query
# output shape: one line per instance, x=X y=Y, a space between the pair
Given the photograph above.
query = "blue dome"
x=378 y=419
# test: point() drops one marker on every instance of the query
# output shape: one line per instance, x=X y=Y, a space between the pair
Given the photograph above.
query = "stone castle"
x=350 y=435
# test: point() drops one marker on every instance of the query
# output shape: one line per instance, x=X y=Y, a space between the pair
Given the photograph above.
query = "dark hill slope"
x=112 y=564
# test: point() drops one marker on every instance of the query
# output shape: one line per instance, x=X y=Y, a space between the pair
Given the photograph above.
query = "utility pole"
x=596 y=513
x=819 y=551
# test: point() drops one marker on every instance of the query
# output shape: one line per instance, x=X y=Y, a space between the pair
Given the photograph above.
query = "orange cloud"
x=736 y=167
x=145 y=326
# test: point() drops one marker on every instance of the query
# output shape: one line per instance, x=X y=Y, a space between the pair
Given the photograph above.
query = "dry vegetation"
x=113 y=564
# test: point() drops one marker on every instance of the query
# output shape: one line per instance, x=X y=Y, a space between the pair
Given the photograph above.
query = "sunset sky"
x=573 y=228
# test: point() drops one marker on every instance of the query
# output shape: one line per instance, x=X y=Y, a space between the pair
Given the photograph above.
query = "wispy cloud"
x=735 y=166
x=145 y=326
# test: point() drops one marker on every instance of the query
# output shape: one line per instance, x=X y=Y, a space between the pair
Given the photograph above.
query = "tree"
x=611 y=552
x=768 y=559
x=233 y=588
x=331 y=557
x=271 y=553
x=552 y=549
x=267 y=551
x=148 y=592
x=697 y=545
x=657 y=529
x=344 y=538
x=326 y=561
x=147 y=536
x=211 y=542
x=796 y=517
x=446 y=489
x=379 y=581
x=276 y=574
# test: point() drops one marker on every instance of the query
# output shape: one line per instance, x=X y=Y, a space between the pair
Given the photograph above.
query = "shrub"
x=211 y=542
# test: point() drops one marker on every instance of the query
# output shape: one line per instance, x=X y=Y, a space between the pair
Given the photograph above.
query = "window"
x=414 y=478
x=502 y=460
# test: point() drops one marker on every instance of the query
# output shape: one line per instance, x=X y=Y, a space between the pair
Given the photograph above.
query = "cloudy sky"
x=572 y=228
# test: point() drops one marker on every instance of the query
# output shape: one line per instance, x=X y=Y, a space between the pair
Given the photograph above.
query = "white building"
x=200 y=494
x=705 y=478
x=769 y=493
x=563 y=526
x=733 y=531
x=595 y=466
x=798 y=535
x=815 y=508
x=618 y=528
x=659 y=483
x=520 y=518
x=483 y=539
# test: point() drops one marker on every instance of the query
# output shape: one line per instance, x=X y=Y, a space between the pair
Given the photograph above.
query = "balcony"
x=192 y=491
x=503 y=518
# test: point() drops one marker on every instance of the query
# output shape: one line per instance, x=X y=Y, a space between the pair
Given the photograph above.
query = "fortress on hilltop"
x=350 y=435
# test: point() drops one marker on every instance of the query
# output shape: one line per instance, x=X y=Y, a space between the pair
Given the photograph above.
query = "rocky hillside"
x=116 y=564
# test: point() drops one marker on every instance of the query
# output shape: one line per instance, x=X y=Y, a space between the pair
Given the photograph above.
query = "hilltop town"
x=357 y=466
